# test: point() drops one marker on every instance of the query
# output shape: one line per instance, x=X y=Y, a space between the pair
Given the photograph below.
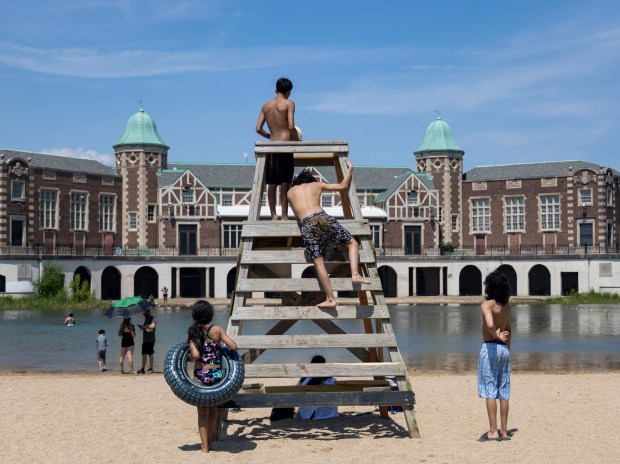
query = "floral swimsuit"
x=210 y=355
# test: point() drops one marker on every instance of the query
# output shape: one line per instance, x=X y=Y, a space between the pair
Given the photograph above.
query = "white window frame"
x=231 y=235
x=151 y=213
x=48 y=208
x=107 y=212
x=591 y=223
x=610 y=196
x=22 y=189
x=78 y=210
x=361 y=200
x=185 y=193
x=227 y=199
x=587 y=202
x=514 y=214
x=480 y=215
x=326 y=200
x=376 y=235
x=546 y=209
x=413 y=198
x=454 y=224
x=132 y=217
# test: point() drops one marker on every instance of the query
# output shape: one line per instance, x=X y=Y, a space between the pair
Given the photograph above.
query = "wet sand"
x=112 y=418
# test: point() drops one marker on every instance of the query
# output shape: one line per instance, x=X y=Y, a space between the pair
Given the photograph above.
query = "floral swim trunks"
x=320 y=230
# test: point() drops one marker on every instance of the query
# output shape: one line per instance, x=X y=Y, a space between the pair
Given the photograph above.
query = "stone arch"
x=111 y=283
x=146 y=282
x=231 y=279
x=309 y=273
x=388 y=281
x=2 y=283
x=539 y=280
x=470 y=281
x=84 y=274
x=511 y=275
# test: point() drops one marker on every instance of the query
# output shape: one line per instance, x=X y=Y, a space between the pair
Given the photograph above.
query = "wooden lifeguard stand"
x=267 y=252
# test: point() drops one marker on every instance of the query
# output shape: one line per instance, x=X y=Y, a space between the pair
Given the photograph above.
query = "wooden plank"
x=323 y=370
x=302 y=285
x=318 y=388
x=310 y=399
x=301 y=147
x=255 y=313
x=296 y=256
x=315 y=341
x=356 y=227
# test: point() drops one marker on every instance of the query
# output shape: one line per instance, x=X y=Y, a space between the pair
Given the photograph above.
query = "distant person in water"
x=494 y=358
x=319 y=230
x=70 y=320
x=164 y=294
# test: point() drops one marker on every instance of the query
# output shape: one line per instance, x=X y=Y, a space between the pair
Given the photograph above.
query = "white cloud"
x=79 y=152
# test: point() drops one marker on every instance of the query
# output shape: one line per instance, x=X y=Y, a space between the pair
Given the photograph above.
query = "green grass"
x=590 y=297
x=37 y=302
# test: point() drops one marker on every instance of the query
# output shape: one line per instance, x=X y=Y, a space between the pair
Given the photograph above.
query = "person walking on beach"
x=279 y=114
x=102 y=346
x=204 y=346
x=128 y=332
x=148 y=340
x=319 y=230
x=494 y=358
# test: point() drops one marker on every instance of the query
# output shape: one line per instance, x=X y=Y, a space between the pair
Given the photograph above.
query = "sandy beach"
x=131 y=419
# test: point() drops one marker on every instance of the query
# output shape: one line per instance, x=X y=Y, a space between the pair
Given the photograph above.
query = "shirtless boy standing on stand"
x=279 y=114
x=319 y=230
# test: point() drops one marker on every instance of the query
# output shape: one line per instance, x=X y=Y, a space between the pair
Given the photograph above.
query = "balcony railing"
x=101 y=251
x=522 y=250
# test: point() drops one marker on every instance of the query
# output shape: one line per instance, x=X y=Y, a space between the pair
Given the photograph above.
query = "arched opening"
x=231 y=278
x=470 y=281
x=539 y=280
x=84 y=274
x=110 y=284
x=308 y=273
x=2 y=284
x=146 y=282
x=511 y=275
x=388 y=281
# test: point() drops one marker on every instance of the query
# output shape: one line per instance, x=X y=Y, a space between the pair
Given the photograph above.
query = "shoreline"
x=78 y=418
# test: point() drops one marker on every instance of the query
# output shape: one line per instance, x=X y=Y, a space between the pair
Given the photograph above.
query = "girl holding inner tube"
x=204 y=347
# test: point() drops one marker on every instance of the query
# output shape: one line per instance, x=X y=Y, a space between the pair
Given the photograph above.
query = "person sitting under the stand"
x=324 y=412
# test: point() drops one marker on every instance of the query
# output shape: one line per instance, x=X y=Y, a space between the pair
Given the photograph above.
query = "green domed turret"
x=141 y=130
x=438 y=137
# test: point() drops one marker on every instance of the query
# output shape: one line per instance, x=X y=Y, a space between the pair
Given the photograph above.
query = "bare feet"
x=327 y=304
x=204 y=450
x=274 y=217
x=358 y=279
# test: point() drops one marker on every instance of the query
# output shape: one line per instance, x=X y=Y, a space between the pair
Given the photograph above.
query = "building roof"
x=438 y=137
x=60 y=163
x=425 y=179
x=529 y=170
x=242 y=175
x=141 y=130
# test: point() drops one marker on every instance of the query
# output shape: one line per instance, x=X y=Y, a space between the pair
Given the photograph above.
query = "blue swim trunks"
x=494 y=371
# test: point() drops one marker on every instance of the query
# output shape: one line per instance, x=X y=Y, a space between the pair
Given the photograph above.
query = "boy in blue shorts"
x=494 y=358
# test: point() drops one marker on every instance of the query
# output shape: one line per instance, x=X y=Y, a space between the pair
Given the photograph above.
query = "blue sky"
x=518 y=81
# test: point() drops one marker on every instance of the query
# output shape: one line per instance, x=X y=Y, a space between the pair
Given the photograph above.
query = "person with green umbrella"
x=148 y=340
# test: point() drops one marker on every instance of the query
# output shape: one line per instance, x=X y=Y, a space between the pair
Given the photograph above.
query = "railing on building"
x=101 y=251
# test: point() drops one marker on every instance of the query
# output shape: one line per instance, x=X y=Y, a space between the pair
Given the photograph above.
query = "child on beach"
x=102 y=346
x=494 y=358
x=204 y=345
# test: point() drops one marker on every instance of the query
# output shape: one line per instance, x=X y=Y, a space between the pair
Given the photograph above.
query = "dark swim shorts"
x=320 y=230
x=279 y=168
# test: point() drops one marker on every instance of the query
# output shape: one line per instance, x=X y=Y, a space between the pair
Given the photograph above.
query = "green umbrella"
x=129 y=306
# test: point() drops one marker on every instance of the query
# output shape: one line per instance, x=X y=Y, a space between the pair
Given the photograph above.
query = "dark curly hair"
x=202 y=314
x=304 y=177
x=284 y=85
x=496 y=287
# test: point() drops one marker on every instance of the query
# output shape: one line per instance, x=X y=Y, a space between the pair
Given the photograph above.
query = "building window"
x=107 y=210
x=586 y=234
x=150 y=213
x=48 y=215
x=585 y=197
x=549 y=212
x=227 y=199
x=133 y=221
x=77 y=213
x=326 y=201
x=17 y=190
x=375 y=232
x=360 y=199
x=232 y=236
x=515 y=214
x=481 y=215
x=455 y=223
x=412 y=198
x=610 y=196
x=188 y=194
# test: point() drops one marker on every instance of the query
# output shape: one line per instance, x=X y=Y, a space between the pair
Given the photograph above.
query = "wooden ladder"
x=268 y=249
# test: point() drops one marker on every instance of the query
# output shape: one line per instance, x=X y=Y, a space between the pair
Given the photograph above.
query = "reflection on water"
x=430 y=337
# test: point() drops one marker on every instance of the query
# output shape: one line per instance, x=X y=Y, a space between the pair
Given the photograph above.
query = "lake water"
x=430 y=337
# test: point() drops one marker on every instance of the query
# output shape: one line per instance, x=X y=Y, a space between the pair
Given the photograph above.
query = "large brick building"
x=150 y=207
